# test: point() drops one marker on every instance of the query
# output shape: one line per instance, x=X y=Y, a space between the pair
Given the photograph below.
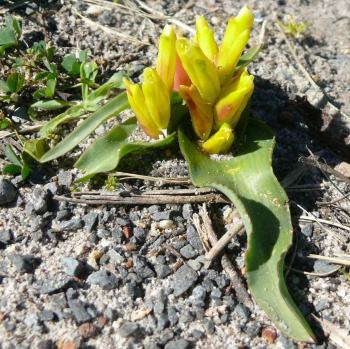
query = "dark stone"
x=8 y=192
x=90 y=220
x=188 y=252
x=134 y=290
x=162 y=270
x=140 y=235
x=193 y=238
x=141 y=267
x=184 y=278
x=55 y=285
x=46 y=344
x=117 y=235
x=252 y=329
x=71 y=225
x=79 y=310
x=178 y=344
x=63 y=215
x=215 y=293
x=162 y=322
x=25 y=263
x=164 y=215
x=71 y=266
x=47 y=315
x=128 y=329
x=187 y=211
x=71 y=293
x=242 y=311
x=103 y=278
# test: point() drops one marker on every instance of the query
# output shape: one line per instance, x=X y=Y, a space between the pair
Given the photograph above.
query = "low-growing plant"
x=198 y=93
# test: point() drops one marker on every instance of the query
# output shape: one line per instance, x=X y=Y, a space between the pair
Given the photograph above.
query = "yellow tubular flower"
x=221 y=141
x=235 y=39
x=167 y=56
x=138 y=105
x=157 y=98
x=234 y=99
x=201 y=112
x=205 y=38
x=200 y=69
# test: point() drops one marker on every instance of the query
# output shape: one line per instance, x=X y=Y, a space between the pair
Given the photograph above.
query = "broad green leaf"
x=11 y=155
x=13 y=23
x=53 y=104
x=5 y=123
x=106 y=152
x=71 y=64
x=4 y=87
x=248 y=181
x=36 y=148
x=110 y=109
x=25 y=172
x=15 y=82
x=12 y=170
x=248 y=57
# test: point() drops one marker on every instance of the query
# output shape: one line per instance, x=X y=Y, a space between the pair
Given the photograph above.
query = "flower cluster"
x=205 y=75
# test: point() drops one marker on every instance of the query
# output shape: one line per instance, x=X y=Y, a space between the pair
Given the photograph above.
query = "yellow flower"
x=150 y=102
x=202 y=72
x=166 y=59
x=221 y=141
x=201 y=112
x=205 y=38
x=235 y=39
x=233 y=99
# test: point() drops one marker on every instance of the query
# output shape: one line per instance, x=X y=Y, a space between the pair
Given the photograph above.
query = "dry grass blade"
x=334 y=260
x=324 y=221
x=336 y=335
x=328 y=273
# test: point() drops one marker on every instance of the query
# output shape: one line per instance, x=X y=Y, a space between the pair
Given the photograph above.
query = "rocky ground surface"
x=74 y=276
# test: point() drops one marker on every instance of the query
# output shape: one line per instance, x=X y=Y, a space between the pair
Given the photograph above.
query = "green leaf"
x=36 y=148
x=4 y=87
x=25 y=172
x=53 y=104
x=71 y=65
x=11 y=169
x=248 y=181
x=11 y=155
x=110 y=109
x=5 y=123
x=105 y=153
x=13 y=23
x=248 y=57
x=15 y=82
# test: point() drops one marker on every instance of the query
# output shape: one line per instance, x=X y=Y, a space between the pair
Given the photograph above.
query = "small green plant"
x=292 y=27
x=17 y=164
x=9 y=34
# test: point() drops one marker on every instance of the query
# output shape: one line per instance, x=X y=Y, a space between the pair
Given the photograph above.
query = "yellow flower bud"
x=157 y=98
x=221 y=141
x=205 y=38
x=201 y=111
x=200 y=69
x=233 y=99
x=235 y=39
x=138 y=105
x=167 y=56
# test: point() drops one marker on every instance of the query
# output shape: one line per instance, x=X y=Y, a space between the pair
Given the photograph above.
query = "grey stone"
x=65 y=179
x=184 y=278
x=90 y=220
x=162 y=322
x=178 y=344
x=198 y=296
x=242 y=311
x=322 y=304
x=215 y=293
x=134 y=290
x=163 y=215
x=188 y=252
x=321 y=266
x=25 y=263
x=46 y=344
x=193 y=238
x=115 y=257
x=39 y=199
x=47 y=315
x=79 y=311
x=71 y=225
x=287 y=343
x=252 y=329
x=55 y=285
x=6 y=237
x=71 y=266
x=103 y=278
x=162 y=270
x=172 y=315
x=187 y=211
x=8 y=192
x=128 y=329
x=307 y=229
x=63 y=215
x=51 y=187
x=140 y=235
x=141 y=267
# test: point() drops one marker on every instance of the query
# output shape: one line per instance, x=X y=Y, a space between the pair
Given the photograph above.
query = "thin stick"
x=324 y=221
x=326 y=203
x=144 y=200
x=335 y=260
x=329 y=273
x=227 y=265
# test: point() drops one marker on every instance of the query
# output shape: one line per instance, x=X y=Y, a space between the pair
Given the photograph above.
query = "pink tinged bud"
x=235 y=39
x=157 y=98
x=181 y=77
x=220 y=142
x=138 y=105
x=166 y=59
x=201 y=111
x=205 y=38
x=233 y=100
x=200 y=69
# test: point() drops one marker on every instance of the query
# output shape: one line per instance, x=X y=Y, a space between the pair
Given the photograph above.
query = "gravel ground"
x=74 y=276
